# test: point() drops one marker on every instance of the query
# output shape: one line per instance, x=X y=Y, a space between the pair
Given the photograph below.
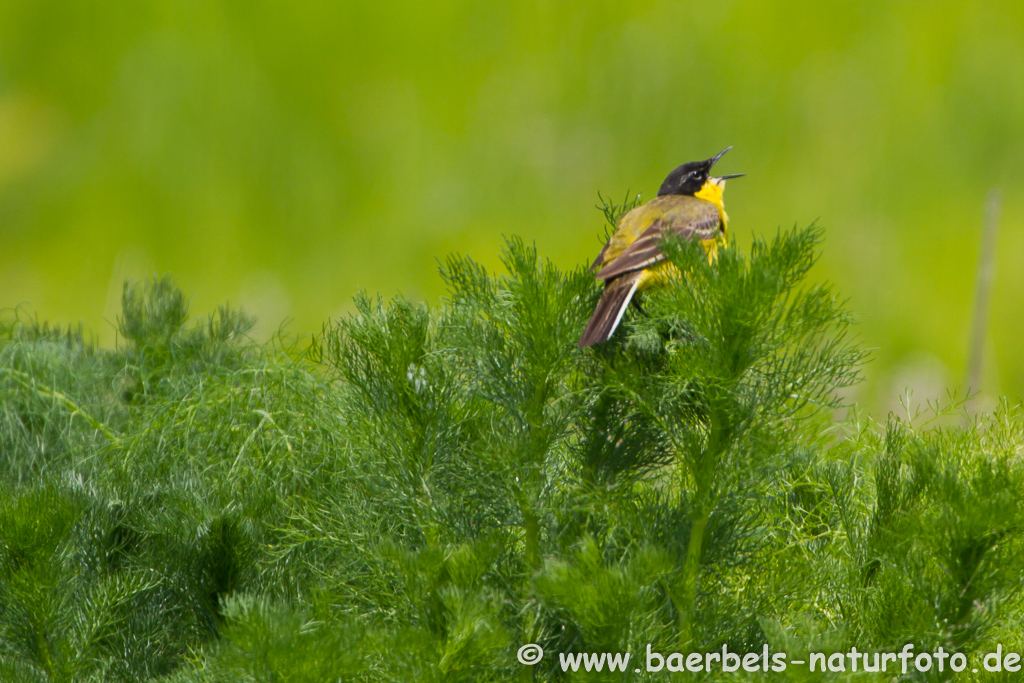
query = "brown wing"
x=600 y=258
x=695 y=219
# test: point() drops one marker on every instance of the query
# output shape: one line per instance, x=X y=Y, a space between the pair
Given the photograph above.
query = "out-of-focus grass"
x=282 y=155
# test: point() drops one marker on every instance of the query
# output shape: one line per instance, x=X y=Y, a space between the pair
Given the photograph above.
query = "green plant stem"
x=536 y=445
x=691 y=571
x=704 y=472
x=532 y=539
x=31 y=384
x=43 y=646
x=428 y=523
x=531 y=528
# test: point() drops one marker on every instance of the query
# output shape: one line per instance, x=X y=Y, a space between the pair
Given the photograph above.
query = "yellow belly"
x=665 y=272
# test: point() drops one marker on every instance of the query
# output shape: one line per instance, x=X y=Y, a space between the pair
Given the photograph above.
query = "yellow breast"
x=712 y=192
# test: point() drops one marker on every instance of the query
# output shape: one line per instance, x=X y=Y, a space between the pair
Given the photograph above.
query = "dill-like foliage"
x=422 y=490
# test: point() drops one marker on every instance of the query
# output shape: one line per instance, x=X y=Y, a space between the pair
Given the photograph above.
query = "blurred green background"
x=281 y=155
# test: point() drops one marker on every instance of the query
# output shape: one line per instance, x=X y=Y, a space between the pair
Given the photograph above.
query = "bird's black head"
x=689 y=178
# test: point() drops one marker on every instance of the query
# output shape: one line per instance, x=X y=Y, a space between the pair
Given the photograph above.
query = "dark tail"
x=609 y=309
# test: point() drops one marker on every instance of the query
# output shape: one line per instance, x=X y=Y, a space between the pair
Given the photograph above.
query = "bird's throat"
x=712 y=192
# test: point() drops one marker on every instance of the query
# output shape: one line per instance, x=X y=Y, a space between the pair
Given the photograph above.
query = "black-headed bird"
x=689 y=204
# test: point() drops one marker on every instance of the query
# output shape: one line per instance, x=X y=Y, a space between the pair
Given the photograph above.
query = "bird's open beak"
x=718 y=156
x=733 y=175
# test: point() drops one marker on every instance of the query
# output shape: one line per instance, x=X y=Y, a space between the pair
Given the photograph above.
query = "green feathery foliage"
x=420 y=491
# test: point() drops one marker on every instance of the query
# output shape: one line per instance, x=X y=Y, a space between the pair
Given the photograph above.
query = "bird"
x=689 y=205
